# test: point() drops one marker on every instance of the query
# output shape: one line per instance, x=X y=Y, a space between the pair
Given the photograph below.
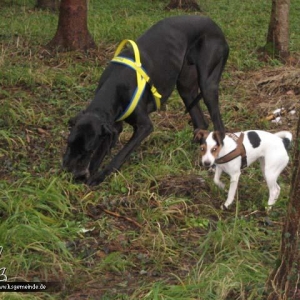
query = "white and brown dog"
x=241 y=149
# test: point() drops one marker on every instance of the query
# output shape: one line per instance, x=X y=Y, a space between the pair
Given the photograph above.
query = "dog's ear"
x=86 y=136
x=82 y=136
x=107 y=129
x=91 y=140
x=111 y=134
x=200 y=135
x=72 y=121
x=218 y=137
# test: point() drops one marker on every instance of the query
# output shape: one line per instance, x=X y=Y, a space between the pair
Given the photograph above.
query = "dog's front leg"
x=217 y=180
x=106 y=144
x=97 y=158
x=140 y=133
x=234 y=180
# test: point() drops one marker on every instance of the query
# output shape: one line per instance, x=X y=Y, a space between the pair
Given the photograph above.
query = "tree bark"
x=278 y=33
x=72 y=32
x=191 y=5
x=284 y=280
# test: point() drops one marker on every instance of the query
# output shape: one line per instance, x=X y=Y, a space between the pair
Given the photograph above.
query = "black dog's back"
x=165 y=46
x=189 y=52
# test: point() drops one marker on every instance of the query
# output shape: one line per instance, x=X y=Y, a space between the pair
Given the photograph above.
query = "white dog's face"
x=210 y=146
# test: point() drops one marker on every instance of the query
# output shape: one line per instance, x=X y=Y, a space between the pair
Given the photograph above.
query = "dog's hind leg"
x=262 y=166
x=274 y=190
x=210 y=56
x=274 y=165
x=188 y=89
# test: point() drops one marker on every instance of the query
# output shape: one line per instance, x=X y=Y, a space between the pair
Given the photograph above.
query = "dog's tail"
x=286 y=137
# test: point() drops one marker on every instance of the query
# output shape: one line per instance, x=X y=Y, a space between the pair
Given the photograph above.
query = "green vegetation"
x=154 y=230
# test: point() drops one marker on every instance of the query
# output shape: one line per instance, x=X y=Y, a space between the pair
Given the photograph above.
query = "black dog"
x=187 y=51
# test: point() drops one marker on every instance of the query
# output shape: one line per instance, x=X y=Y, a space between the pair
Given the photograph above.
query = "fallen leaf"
x=290 y=92
x=42 y=131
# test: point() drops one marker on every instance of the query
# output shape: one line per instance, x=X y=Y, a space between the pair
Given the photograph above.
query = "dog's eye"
x=201 y=149
x=213 y=150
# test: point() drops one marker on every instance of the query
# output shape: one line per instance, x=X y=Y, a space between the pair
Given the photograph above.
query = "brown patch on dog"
x=203 y=149
x=200 y=135
x=215 y=151
x=217 y=137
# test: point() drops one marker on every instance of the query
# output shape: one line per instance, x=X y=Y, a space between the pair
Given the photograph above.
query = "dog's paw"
x=268 y=208
x=223 y=207
x=95 y=179
x=220 y=184
x=212 y=169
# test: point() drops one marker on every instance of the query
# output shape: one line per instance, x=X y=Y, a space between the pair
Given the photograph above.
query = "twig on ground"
x=117 y=215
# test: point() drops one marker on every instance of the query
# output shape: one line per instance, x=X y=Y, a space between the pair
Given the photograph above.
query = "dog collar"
x=238 y=151
x=141 y=76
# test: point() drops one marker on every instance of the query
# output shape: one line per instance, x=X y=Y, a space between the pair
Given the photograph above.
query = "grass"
x=153 y=230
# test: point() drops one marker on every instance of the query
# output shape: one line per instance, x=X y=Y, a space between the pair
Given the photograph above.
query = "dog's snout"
x=207 y=163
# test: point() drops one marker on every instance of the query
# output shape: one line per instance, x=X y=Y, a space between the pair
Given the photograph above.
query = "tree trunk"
x=278 y=33
x=284 y=280
x=47 y=4
x=183 y=4
x=72 y=32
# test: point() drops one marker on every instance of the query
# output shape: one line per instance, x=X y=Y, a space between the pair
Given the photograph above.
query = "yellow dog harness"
x=141 y=77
